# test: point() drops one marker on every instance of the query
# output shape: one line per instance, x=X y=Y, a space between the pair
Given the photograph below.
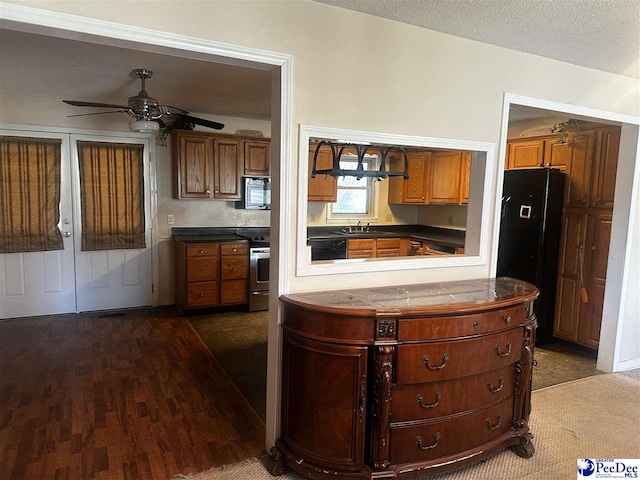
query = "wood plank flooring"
x=131 y=397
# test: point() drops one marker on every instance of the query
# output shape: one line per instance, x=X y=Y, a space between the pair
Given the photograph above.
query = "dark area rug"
x=238 y=340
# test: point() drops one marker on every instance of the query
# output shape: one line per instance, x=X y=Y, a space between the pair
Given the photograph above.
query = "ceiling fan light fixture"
x=144 y=126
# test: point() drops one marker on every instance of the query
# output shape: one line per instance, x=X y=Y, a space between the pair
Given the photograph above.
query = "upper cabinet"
x=579 y=170
x=322 y=188
x=525 y=154
x=435 y=177
x=257 y=158
x=606 y=166
x=415 y=189
x=210 y=166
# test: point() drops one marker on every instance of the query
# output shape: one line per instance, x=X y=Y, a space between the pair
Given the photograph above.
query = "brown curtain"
x=111 y=195
x=29 y=194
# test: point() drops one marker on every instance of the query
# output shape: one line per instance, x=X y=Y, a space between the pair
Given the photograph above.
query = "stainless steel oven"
x=259 y=278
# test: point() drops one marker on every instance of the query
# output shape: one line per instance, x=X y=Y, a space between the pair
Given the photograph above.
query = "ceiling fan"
x=149 y=115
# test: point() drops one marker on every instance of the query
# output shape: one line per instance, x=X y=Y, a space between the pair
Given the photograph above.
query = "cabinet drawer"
x=202 y=269
x=459 y=326
x=388 y=243
x=202 y=294
x=203 y=249
x=234 y=248
x=451 y=436
x=234 y=266
x=360 y=254
x=234 y=291
x=362 y=243
x=387 y=252
x=429 y=362
x=436 y=399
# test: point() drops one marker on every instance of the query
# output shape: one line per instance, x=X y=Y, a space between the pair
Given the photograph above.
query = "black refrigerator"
x=530 y=236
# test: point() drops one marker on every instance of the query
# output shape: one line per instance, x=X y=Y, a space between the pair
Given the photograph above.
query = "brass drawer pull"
x=504 y=354
x=500 y=385
x=428 y=447
x=507 y=319
x=476 y=324
x=201 y=251
x=493 y=427
x=445 y=357
x=433 y=405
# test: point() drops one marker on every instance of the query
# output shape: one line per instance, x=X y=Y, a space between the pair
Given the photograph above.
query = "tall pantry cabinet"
x=589 y=157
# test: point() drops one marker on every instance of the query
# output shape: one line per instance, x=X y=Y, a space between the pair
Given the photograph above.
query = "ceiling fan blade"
x=202 y=122
x=173 y=109
x=77 y=103
x=96 y=113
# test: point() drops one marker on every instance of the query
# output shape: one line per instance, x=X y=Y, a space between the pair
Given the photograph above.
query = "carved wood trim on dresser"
x=372 y=389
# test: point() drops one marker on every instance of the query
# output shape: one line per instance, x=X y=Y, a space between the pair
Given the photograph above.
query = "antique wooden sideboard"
x=402 y=382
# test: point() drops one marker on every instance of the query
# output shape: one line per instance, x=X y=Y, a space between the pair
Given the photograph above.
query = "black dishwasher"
x=328 y=248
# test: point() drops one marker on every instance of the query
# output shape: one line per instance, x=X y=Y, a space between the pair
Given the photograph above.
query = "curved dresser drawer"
x=436 y=399
x=460 y=325
x=438 y=439
x=428 y=362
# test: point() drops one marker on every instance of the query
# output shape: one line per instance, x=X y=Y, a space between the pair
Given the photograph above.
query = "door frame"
x=624 y=215
x=282 y=220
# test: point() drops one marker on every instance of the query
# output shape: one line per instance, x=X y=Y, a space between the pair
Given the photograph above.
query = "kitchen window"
x=355 y=197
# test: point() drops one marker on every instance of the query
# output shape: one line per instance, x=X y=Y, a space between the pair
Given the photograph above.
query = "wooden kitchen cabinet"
x=211 y=274
x=228 y=168
x=207 y=167
x=192 y=155
x=583 y=265
x=446 y=172
x=525 y=154
x=372 y=379
x=257 y=158
x=414 y=190
x=465 y=178
x=577 y=187
x=322 y=188
x=606 y=167
x=361 y=248
x=388 y=247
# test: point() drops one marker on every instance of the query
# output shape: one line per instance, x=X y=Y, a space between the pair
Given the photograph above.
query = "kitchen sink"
x=365 y=233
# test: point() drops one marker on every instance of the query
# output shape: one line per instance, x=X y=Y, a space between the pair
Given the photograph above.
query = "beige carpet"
x=595 y=417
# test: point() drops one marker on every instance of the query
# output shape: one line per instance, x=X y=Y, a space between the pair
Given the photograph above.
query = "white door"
x=41 y=283
x=110 y=279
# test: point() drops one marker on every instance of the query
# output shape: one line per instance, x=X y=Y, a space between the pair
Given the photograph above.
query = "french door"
x=74 y=279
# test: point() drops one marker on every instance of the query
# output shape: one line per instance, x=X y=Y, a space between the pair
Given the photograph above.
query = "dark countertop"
x=210 y=238
x=433 y=298
x=444 y=236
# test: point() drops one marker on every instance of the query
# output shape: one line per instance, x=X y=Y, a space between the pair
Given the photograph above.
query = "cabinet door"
x=604 y=184
x=597 y=248
x=257 y=158
x=228 y=166
x=557 y=155
x=322 y=188
x=569 y=275
x=446 y=169
x=414 y=190
x=579 y=170
x=526 y=154
x=194 y=165
x=464 y=178
x=324 y=401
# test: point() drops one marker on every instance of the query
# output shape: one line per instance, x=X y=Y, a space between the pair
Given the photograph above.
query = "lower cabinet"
x=375 y=248
x=367 y=394
x=582 y=272
x=211 y=274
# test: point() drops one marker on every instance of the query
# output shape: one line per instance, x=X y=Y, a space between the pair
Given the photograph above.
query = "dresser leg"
x=275 y=466
x=525 y=448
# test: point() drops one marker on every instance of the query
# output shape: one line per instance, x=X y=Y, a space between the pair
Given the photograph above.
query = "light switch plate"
x=171 y=219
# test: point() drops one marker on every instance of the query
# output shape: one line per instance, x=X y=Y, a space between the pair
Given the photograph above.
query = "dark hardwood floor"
x=137 y=396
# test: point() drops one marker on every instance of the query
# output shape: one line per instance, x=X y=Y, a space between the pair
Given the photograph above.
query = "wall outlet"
x=450 y=219
x=389 y=217
x=171 y=219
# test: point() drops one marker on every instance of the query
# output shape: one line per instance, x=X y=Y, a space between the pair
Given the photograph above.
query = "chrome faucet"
x=359 y=225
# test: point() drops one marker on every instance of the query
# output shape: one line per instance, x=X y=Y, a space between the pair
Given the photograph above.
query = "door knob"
x=66 y=234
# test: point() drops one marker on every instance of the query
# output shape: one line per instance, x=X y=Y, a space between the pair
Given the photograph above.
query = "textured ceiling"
x=600 y=34
x=51 y=67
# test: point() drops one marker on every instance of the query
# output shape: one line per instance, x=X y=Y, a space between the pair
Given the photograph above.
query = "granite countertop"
x=217 y=234
x=440 y=235
x=433 y=298
x=210 y=238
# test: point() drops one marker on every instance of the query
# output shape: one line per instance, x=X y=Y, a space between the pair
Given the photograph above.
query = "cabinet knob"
x=597 y=199
x=215 y=191
x=593 y=247
x=201 y=295
x=234 y=249
x=201 y=251
x=584 y=200
x=207 y=191
x=476 y=324
x=233 y=268
x=507 y=319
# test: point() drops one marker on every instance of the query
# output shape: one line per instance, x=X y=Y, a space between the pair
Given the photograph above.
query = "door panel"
x=110 y=279
x=41 y=283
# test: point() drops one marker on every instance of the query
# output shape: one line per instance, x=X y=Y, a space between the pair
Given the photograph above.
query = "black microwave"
x=256 y=194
